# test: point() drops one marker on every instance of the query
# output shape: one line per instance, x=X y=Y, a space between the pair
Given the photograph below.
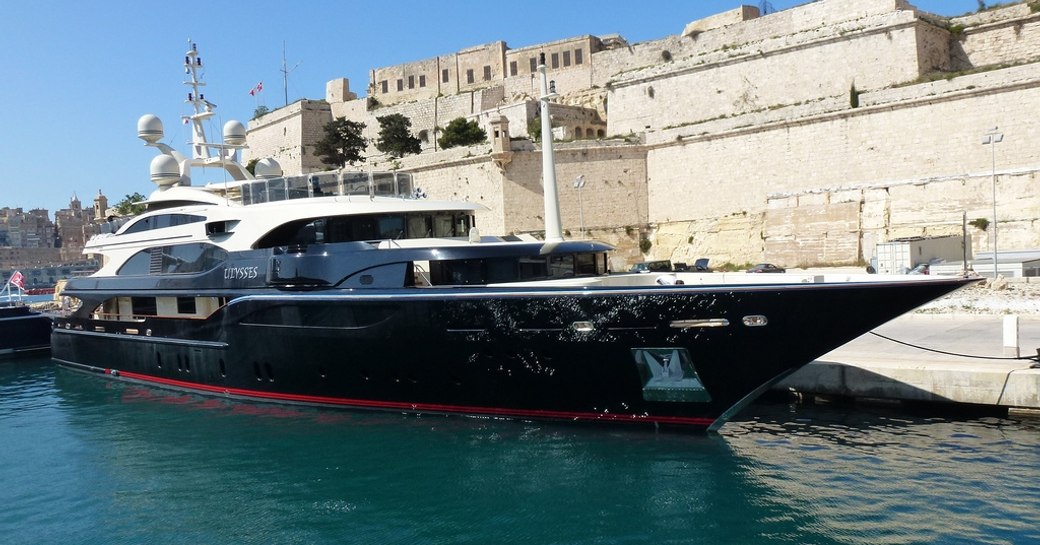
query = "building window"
x=400 y=85
x=487 y=73
x=555 y=60
x=534 y=65
x=444 y=75
x=384 y=86
x=469 y=75
x=422 y=81
x=566 y=58
x=512 y=68
x=411 y=82
x=577 y=56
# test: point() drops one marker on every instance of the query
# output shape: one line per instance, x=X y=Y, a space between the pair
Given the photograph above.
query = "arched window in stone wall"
x=601 y=133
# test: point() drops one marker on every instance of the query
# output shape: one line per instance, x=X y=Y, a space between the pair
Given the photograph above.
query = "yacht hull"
x=23 y=331
x=685 y=355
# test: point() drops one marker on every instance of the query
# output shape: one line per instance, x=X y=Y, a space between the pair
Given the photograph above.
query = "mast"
x=553 y=227
x=171 y=167
x=202 y=108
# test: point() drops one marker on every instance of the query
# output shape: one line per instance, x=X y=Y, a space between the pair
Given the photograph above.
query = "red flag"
x=18 y=280
x=259 y=87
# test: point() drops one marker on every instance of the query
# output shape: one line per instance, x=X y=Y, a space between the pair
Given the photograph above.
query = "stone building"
x=804 y=136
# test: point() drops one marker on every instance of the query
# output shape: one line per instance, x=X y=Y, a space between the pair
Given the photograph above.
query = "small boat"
x=351 y=289
x=23 y=331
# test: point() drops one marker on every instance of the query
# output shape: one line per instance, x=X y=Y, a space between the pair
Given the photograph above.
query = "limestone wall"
x=753 y=145
x=745 y=78
x=999 y=36
x=287 y=135
x=788 y=169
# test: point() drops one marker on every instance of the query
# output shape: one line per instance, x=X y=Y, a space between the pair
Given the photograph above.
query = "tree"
x=128 y=206
x=260 y=111
x=460 y=132
x=342 y=144
x=395 y=138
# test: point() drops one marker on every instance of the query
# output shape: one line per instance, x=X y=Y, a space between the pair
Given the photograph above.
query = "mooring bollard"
x=1011 y=337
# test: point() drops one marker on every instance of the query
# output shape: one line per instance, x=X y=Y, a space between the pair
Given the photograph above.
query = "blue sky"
x=80 y=74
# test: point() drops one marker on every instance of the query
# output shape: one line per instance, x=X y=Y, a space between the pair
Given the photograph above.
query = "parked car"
x=923 y=268
x=701 y=265
x=766 y=268
x=652 y=266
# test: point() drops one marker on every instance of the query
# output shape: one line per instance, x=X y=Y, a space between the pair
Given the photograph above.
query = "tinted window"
x=180 y=259
x=162 y=221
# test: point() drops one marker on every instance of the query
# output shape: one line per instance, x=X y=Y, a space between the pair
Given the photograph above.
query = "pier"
x=877 y=368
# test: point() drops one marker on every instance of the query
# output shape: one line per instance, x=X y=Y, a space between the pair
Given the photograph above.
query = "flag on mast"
x=259 y=87
x=17 y=280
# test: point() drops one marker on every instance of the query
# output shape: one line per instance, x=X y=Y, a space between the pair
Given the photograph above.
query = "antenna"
x=285 y=74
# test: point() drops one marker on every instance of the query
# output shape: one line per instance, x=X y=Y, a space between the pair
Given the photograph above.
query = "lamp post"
x=991 y=139
x=579 y=183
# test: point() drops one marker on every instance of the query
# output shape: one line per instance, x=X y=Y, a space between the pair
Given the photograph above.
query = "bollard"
x=1011 y=337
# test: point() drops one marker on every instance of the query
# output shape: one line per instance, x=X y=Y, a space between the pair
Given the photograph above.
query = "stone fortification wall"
x=998 y=36
x=471 y=69
x=614 y=193
x=286 y=134
x=569 y=62
x=755 y=146
x=784 y=70
x=911 y=158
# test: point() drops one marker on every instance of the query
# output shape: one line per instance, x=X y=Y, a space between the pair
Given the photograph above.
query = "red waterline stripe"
x=364 y=403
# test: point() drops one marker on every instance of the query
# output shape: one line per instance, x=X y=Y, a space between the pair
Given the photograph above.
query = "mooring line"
x=1035 y=358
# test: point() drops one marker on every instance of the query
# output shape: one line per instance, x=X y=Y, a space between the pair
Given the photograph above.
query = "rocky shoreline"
x=989 y=298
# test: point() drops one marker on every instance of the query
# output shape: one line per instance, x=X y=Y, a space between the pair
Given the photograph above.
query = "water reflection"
x=878 y=476
x=115 y=462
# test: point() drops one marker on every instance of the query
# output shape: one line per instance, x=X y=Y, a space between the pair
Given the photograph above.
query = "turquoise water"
x=90 y=460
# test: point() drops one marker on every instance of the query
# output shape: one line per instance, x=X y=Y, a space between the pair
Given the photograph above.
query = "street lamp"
x=992 y=138
x=579 y=183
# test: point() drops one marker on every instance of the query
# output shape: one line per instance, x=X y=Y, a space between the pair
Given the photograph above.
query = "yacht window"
x=191 y=258
x=585 y=264
x=186 y=305
x=420 y=226
x=561 y=266
x=179 y=259
x=137 y=265
x=367 y=228
x=531 y=268
x=442 y=225
x=161 y=222
x=404 y=183
x=143 y=306
x=355 y=183
x=384 y=184
x=391 y=227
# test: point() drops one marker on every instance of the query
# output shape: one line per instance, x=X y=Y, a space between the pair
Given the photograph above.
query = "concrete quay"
x=872 y=367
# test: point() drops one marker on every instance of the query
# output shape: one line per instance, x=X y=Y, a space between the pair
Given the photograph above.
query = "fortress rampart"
x=802 y=136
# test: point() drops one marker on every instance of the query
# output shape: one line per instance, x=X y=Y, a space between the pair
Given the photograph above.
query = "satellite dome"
x=267 y=168
x=166 y=172
x=234 y=133
x=149 y=128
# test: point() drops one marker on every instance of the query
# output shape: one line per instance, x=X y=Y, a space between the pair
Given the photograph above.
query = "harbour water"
x=84 y=459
